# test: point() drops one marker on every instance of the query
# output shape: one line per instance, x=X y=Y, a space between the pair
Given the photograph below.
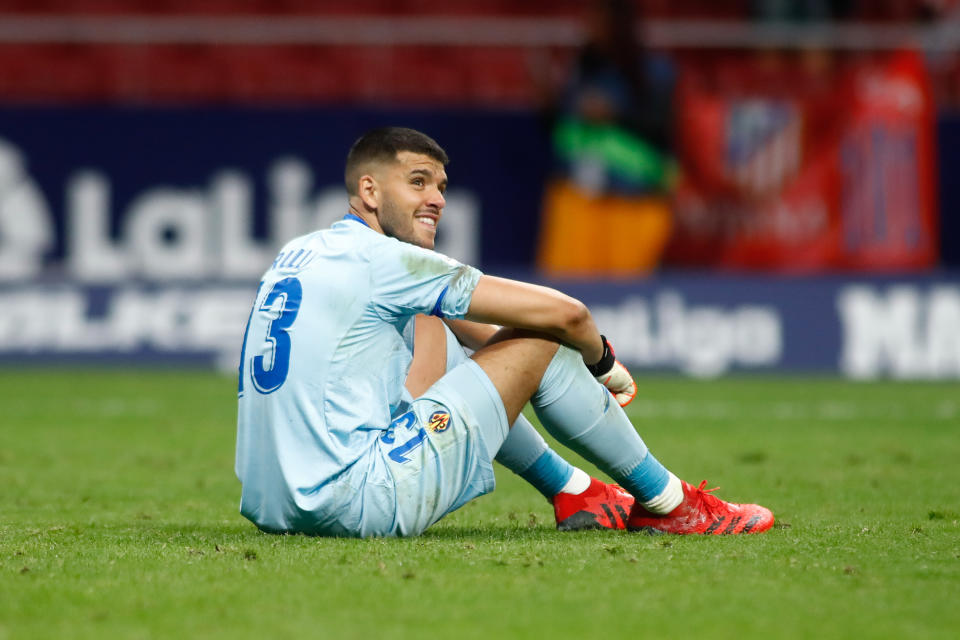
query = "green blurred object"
x=626 y=157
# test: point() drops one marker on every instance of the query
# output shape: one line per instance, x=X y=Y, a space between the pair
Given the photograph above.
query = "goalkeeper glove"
x=614 y=376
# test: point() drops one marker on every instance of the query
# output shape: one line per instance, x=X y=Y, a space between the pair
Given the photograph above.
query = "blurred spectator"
x=606 y=210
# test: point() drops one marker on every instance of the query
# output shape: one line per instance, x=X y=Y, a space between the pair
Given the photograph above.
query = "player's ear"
x=369 y=191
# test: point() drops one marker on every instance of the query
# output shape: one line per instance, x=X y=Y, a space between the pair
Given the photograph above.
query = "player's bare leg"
x=429 y=354
x=515 y=362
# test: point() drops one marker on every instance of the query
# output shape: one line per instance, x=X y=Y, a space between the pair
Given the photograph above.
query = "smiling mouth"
x=427 y=221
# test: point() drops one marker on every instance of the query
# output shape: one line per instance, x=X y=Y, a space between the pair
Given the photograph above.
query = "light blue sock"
x=582 y=415
x=527 y=454
x=647 y=480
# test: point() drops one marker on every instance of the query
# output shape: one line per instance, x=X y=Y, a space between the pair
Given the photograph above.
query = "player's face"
x=412 y=200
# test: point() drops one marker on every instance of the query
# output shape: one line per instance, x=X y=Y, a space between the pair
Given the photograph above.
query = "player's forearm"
x=526 y=306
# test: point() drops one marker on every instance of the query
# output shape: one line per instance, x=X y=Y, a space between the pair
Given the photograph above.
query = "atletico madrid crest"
x=439 y=421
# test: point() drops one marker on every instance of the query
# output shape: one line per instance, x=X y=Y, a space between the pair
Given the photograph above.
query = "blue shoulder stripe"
x=436 y=308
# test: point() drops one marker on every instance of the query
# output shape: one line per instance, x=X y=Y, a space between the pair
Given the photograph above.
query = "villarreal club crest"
x=439 y=421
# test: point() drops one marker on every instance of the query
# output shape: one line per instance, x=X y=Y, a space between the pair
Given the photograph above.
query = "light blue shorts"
x=439 y=454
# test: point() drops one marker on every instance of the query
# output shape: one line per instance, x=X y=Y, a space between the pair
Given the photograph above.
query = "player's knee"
x=565 y=369
x=568 y=357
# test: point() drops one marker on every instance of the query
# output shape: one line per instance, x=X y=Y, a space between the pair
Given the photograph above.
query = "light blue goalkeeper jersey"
x=323 y=366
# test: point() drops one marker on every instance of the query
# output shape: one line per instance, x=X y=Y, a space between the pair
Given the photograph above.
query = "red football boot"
x=703 y=513
x=601 y=506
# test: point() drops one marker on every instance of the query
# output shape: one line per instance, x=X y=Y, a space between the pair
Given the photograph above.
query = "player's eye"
x=418 y=182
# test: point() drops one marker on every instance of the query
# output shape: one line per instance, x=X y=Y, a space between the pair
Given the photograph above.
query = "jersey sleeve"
x=408 y=280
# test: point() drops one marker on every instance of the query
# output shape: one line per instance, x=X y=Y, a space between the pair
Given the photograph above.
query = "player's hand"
x=614 y=376
x=620 y=383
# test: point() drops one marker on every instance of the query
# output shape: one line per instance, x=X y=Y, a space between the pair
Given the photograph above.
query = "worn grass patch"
x=118 y=518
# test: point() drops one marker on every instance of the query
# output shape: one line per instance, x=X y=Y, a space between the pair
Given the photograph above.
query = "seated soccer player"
x=331 y=442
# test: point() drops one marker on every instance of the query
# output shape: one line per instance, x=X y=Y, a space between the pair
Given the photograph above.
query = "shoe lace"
x=710 y=503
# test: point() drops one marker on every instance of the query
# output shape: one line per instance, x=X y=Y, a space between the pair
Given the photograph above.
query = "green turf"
x=118 y=518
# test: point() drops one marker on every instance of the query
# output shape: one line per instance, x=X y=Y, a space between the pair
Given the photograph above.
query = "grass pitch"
x=118 y=519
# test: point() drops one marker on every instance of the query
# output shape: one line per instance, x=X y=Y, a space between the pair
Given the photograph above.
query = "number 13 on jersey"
x=269 y=369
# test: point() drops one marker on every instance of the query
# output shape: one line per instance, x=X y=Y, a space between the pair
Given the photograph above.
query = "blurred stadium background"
x=739 y=186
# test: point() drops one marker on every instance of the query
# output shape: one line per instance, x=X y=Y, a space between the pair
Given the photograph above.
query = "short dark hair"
x=383 y=145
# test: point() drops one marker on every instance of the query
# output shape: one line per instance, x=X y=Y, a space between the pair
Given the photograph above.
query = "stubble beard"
x=396 y=224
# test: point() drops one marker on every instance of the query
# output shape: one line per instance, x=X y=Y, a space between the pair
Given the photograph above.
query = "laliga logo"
x=26 y=230
x=701 y=340
x=182 y=233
